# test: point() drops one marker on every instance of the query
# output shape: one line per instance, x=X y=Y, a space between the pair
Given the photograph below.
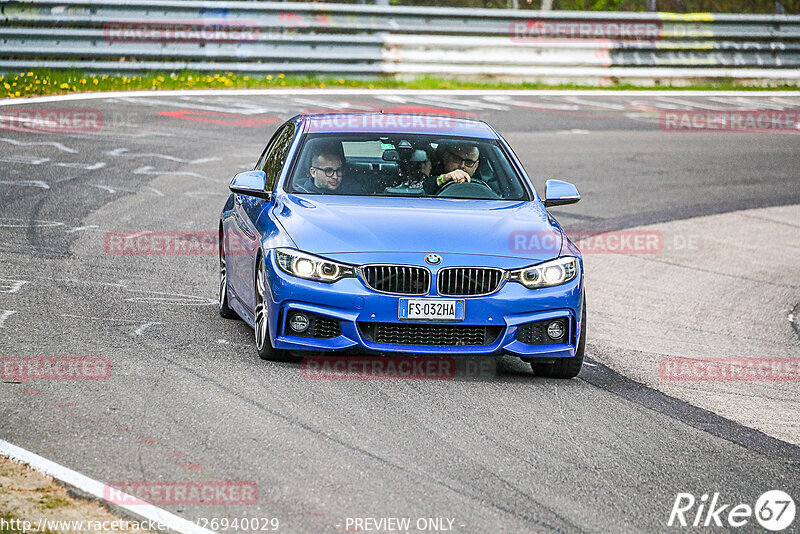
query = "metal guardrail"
x=358 y=40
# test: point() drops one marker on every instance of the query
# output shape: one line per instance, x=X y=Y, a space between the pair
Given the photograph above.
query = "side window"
x=275 y=155
x=260 y=165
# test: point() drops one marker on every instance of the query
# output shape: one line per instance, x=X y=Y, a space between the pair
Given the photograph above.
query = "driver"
x=459 y=161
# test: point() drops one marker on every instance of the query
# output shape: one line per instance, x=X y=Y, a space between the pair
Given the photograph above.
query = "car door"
x=249 y=210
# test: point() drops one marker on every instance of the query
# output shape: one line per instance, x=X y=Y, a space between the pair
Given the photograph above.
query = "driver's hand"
x=457 y=176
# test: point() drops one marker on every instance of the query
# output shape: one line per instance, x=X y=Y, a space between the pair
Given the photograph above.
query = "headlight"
x=547 y=274
x=311 y=267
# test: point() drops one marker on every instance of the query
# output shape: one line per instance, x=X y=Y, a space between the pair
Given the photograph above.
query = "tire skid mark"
x=520 y=515
x=603 y=377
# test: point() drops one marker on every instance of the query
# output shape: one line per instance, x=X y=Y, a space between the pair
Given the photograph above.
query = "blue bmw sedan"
x=400 y=234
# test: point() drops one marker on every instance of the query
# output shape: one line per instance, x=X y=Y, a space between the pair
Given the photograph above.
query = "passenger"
x=325 y=174
x=420 y=172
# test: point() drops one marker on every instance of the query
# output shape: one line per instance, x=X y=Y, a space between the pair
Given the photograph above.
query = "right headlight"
x=310 y=267
x=547 y=274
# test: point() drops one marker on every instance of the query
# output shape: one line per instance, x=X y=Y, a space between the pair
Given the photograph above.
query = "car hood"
x=351 y=224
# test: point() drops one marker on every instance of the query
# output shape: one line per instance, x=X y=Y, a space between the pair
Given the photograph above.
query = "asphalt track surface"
x=189 y=400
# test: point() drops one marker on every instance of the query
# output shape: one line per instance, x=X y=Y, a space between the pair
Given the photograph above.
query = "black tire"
x=225 y=311
x=565 y=367
x=263 y=343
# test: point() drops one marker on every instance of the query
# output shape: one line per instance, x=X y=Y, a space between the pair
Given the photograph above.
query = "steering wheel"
x=476 y=188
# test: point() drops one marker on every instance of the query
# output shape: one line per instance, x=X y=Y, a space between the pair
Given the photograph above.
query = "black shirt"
x=308 y=186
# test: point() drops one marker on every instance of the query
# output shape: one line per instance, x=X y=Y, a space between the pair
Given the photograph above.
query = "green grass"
x=39 y=82
x=51 y=502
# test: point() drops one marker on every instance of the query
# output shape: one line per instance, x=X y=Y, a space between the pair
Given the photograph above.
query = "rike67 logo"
x=774 y=510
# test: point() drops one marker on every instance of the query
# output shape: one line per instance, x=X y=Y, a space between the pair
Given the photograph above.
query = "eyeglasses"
x=330 y=171
x=462 y=161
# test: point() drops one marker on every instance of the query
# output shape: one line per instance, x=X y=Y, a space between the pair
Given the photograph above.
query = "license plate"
x=431 y=309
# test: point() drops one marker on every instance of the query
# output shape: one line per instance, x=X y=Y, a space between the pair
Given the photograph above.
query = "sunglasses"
x=462 y=161
x=330 y=171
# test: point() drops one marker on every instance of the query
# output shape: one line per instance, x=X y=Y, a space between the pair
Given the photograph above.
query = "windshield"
x=405 y=165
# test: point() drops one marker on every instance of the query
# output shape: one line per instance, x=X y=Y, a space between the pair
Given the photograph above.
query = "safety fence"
x=365 y=41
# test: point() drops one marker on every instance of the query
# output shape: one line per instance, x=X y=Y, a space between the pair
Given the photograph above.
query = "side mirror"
x=251 y=183
x=558 y=193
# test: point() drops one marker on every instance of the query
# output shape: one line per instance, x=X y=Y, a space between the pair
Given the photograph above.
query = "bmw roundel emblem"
x=433 y=259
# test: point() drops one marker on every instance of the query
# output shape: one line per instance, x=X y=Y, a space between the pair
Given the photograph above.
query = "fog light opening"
x=556 y=330
x=299 y=322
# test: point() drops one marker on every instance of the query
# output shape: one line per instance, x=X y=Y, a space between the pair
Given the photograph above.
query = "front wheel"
x=565 y=367
x=263 y=343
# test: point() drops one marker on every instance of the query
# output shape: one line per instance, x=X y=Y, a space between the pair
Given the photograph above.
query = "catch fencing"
x=345 y=40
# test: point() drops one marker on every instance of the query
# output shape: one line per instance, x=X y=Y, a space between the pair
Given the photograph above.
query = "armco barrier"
x=360 y=40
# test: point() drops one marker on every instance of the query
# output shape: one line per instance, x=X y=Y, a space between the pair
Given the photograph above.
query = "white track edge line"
x=367 y=92
x=147 y=512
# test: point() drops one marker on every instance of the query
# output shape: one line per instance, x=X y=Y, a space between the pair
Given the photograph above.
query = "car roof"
x=391 y=123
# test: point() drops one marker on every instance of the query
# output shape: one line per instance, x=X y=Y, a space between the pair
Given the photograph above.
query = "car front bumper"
x=350 y=303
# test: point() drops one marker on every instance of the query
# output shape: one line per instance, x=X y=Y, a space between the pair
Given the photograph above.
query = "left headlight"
x=547 y=274
x=311 y=267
